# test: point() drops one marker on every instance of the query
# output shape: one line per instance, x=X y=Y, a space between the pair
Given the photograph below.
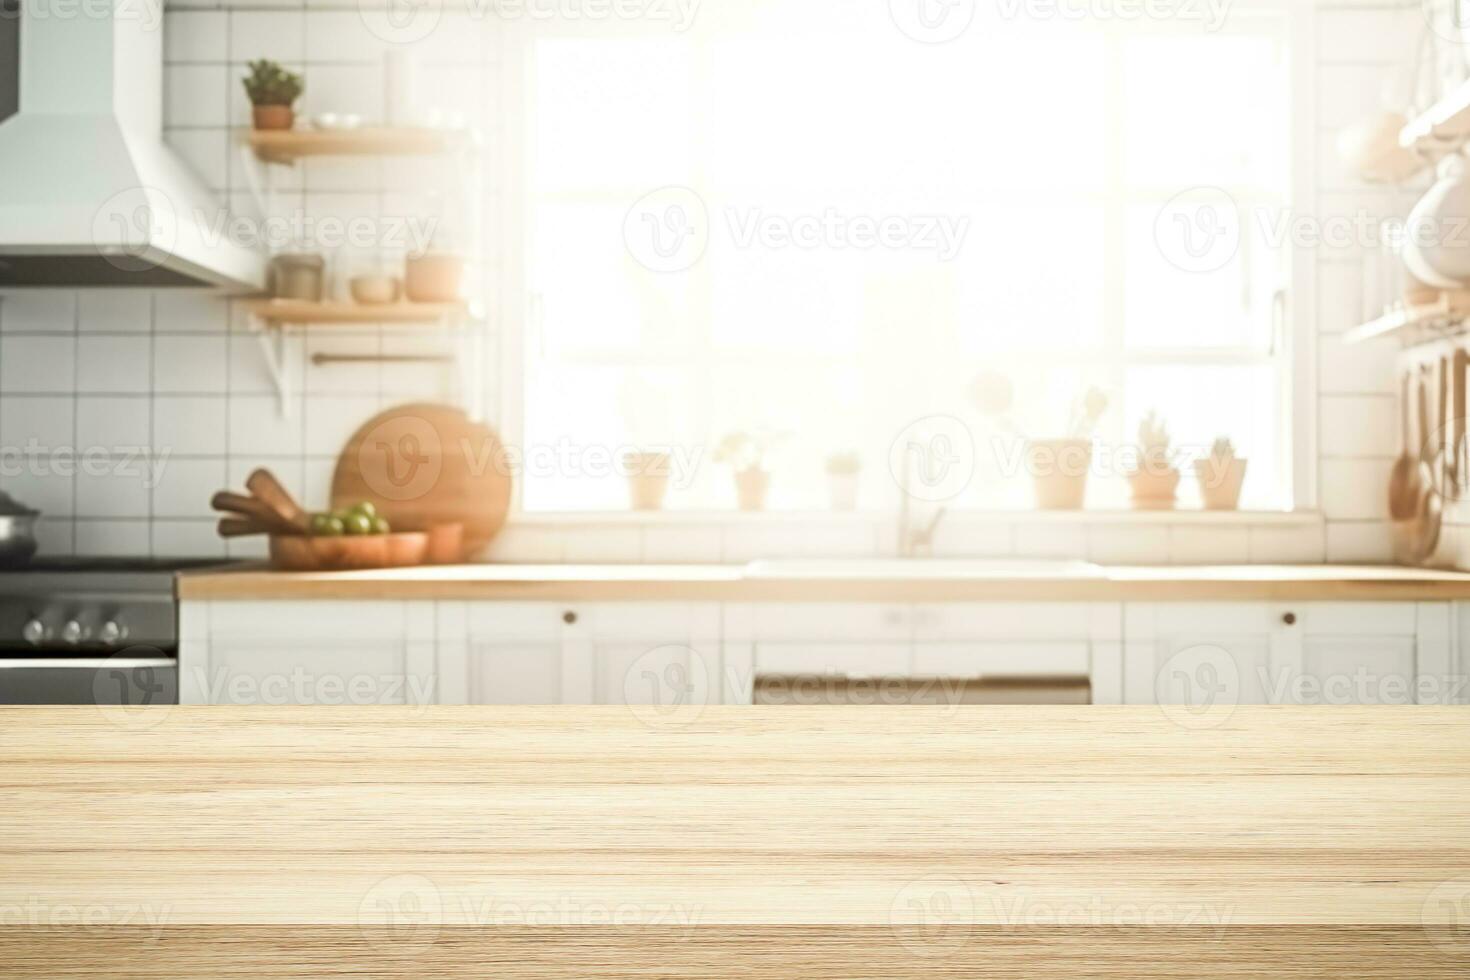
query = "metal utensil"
x=1457 y=461
x=1431 y=505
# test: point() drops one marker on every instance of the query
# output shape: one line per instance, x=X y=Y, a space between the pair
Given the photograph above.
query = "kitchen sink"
x=919 y=568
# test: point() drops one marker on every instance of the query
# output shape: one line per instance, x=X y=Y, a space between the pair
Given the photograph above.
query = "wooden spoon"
x=264 y=486
x=1431 y=505
x=1403 y=495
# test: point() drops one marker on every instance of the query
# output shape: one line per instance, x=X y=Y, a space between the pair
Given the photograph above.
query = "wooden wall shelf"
x=288 y=146
x=281 y=311
x=1448 y=313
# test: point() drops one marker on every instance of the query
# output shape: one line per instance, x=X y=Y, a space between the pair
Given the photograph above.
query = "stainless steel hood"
x=89 y=194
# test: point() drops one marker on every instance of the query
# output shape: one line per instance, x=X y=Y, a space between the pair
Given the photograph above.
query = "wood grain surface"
x=827 y=842
x=715 y=583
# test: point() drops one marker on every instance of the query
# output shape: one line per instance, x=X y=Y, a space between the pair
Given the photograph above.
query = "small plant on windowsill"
x=1155 y=483
x=1221 y=476
x=1059 y=467
x=272 y=91
x=844 y=471
x=746 y=454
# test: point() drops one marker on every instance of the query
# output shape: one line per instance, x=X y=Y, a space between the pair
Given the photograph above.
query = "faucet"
x=914 y=541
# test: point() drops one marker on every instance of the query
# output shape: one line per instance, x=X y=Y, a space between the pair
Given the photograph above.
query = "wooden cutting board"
x=428 y=464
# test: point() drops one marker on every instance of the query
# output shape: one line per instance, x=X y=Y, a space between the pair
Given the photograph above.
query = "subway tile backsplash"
x=122 y=411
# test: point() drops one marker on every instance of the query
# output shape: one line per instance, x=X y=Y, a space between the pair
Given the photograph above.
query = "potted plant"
x=1155 y=482
x=843 y=471
x=273 y=91
x=1220 y=476
x=746 y=454
x=648 y=478
x=1059 y=467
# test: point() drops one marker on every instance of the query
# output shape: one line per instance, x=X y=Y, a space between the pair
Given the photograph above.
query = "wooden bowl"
x=303 y=553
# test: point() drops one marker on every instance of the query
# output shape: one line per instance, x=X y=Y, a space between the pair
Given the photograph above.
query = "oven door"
x=89 y=680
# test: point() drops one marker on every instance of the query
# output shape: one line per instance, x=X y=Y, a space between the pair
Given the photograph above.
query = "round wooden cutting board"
x=427 y=464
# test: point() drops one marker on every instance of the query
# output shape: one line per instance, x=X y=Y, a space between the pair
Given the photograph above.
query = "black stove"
x=78 y=630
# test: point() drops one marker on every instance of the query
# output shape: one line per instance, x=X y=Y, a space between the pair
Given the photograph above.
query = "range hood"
x=89 y=194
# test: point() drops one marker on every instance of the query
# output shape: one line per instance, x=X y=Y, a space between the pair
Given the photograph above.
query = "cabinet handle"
x=569 y=617
x=1289 y=619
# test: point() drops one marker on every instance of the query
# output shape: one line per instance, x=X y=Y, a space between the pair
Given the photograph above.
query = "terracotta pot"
x=1219 y=485
x=1154 y=488
x=273 y=116
x=751 y=487
x=434 y=277
x=1059 y=470
x=842 y=489
x=648 y=479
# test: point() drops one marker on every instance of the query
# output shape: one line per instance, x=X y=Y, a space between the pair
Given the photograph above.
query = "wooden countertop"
x=732 y=583
x=781 y=842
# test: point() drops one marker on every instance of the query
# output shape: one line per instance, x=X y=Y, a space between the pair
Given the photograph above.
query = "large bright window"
x=826 y=228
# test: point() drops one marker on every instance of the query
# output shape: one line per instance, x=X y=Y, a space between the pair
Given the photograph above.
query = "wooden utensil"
x=241 y=527
x=426 y=465
x=1456 y=455
x=1431 y=512
x=1403 y=493
x=264 y=486
x=253 y=509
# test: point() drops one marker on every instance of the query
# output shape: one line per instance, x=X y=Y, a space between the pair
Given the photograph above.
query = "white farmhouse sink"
x=919 y=568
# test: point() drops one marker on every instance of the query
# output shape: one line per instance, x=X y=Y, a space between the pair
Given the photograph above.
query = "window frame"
x=516 y=309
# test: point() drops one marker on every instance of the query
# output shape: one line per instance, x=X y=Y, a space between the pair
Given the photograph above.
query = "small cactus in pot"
x=1221 y=476
x=1155 y=483
x=273 y=92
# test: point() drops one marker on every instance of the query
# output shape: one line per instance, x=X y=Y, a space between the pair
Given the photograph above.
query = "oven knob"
x=112 y=632
x=73 y=633
x=33 y=632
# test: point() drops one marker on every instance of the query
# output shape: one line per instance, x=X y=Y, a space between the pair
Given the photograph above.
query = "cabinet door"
x=603 y=653
x=308 y=653
x=850 y=640
x=1203 y=655
x=1199 y=654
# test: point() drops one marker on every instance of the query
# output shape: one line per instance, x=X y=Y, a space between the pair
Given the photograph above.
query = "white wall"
x=177 y=374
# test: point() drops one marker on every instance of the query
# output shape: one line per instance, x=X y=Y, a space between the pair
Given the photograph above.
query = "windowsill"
x=1236 y=518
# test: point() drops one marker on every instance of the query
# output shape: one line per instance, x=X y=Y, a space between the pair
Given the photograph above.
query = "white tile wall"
x=170 y=372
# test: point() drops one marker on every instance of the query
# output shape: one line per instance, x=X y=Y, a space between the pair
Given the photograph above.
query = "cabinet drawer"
x=833 y=659
x=999 y=659
x=825 y=621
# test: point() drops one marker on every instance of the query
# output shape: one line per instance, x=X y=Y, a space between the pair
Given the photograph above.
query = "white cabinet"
x=1288 y=653
x=307 y=653
x=646 y=653
x=960 y=641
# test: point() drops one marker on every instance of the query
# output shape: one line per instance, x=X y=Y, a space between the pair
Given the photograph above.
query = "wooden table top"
x=733 y=583
x=827 y=842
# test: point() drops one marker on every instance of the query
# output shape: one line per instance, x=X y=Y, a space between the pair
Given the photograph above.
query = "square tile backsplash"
x=122 y=411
